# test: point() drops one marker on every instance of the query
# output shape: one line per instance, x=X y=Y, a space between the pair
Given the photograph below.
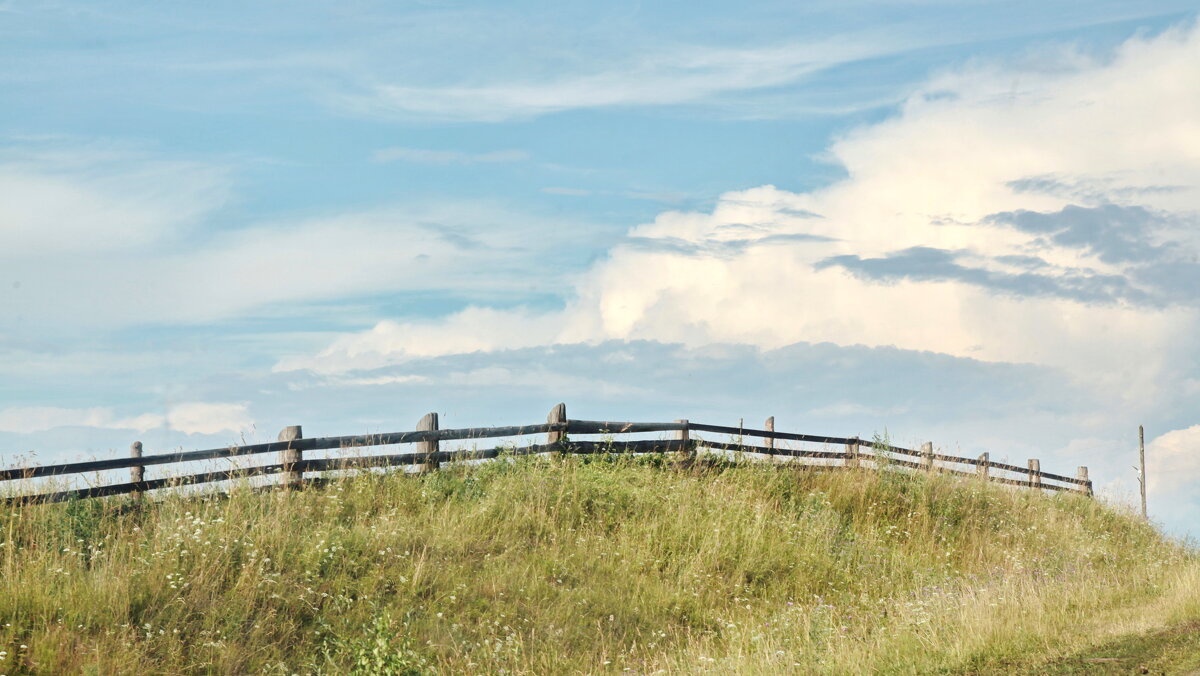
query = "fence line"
x=292 y=444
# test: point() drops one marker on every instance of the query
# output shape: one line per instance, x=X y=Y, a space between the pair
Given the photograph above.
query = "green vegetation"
x=590 y=565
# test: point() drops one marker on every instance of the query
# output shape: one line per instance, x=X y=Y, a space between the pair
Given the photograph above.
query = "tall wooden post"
x=558 y=414
x=428 y=448
x=137 y=473
x=769 y=426
x=983 y=469
x=852 y=453
x=1082 y=475
x=687 y=452
x=927 y=456
x=288 y=457
x=1142 y=468
x=1035 y=473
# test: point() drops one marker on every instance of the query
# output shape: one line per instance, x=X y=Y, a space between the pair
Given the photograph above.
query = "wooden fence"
x=561 y=438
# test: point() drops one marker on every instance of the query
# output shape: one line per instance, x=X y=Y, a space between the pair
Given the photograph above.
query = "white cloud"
x=968 y=145
x=471 y=330
x=208 y=418
x=189 y=418
x=664 y=76
x=478 y=250
x=26 y=420
x=446 y=157
x=1173 y=462
x=96 y=199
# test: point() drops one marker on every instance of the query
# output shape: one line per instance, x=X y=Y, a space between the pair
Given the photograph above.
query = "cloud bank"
x=1052 y=221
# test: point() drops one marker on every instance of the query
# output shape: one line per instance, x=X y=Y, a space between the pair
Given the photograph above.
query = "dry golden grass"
x=576 y=566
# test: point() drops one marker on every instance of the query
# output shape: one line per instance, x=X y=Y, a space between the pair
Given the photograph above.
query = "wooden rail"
x=427 y=455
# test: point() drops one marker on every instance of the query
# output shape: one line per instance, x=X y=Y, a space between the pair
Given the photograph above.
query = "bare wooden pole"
x=1035 y=473
x=983 y=469
x=428 y=423
x=769 y=426
x=1082 y=475
x=558 y=414
x=137 y=473
x=288 y=457
x=927 y=456
x=1142 y=468
x=687 y=453
x=852 y=453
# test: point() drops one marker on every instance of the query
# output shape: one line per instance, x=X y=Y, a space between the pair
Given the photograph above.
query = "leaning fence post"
x=289 y=456
x=769 y=426
x=558 y=414
x=137 y=473
x=1082 y=475
x=927 y=456
x=984 y=465
x=687 y=452
x=429 y=447
x=852 y=453
x=1035 y=473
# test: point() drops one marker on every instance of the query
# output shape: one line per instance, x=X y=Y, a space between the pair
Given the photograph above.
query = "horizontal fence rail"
x=428 y=456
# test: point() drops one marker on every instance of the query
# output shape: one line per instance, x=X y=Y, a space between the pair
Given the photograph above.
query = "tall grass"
x=583 y=565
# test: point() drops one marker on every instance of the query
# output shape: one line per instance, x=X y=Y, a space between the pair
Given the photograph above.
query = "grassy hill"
x=590 y=565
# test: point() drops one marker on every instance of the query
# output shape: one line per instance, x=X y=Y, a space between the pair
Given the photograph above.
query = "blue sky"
x=974 y=223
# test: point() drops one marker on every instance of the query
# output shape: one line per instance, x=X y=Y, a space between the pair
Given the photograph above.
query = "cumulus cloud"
x=953 y=232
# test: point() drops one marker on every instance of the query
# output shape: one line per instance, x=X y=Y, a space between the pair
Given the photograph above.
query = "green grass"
x=587 y=565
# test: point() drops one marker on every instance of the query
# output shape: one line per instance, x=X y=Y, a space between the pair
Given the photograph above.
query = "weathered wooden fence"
x=561 y=435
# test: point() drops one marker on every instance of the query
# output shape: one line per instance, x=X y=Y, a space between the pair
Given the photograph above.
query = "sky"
x=975 y=223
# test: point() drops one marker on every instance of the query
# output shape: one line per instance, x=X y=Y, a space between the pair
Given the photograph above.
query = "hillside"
x=589 y=565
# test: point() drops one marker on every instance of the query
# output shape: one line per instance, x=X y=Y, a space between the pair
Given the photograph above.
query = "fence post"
x=558 y=414
x=1035 y=473
x=982 y=469
x=1142 y=468
x=769 y=426
x=288 y=457
x=687 y=452
x=852 y=453
x=927 y=456
x=1082 y=475
x=137 y=473
x=427 y=448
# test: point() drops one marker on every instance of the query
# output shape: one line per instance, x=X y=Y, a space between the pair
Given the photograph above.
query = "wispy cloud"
x=666 y=76
x=188 y=418
x=448 y=157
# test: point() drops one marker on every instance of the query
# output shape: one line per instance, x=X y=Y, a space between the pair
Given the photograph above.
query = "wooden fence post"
x=769 y=426
x=558 y=414
x=137 y=473
x=288 y=457
x=1035 y=473
x=1082 y=475
x=687 y=452
x=428 y=423
x=982 y=469
x=1142 y=469
x=852 y=453
x=927 y=456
